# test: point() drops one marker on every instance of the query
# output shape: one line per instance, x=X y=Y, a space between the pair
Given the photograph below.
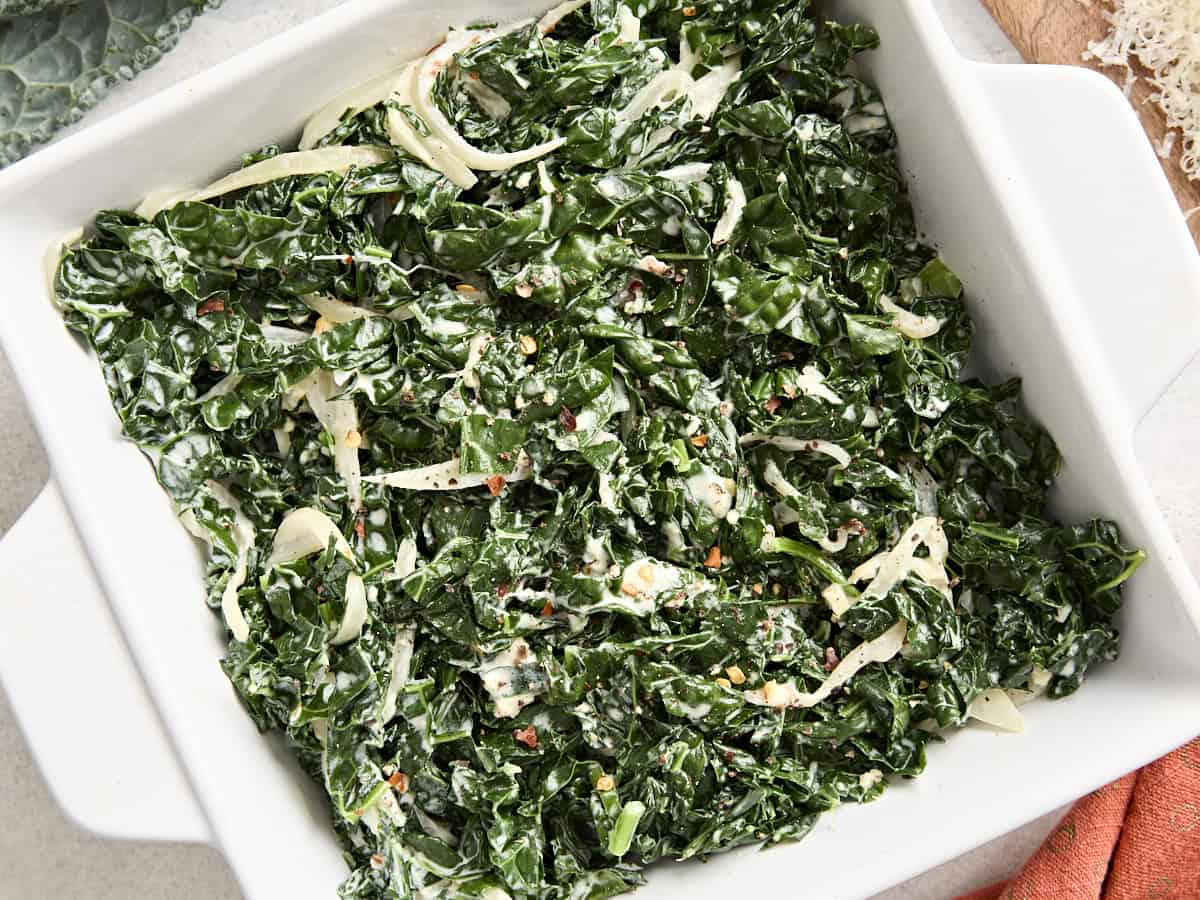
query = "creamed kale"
x=576 y=427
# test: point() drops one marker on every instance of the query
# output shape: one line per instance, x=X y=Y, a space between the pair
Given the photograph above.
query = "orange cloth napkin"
x=1138 y=837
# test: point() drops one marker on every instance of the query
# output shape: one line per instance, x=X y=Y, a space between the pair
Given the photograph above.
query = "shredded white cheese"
x=1164 y=37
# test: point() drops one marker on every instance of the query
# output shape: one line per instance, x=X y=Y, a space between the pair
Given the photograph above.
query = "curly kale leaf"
x=58 y=59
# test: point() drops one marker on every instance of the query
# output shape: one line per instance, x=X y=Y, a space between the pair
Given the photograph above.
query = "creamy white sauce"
x=712 y=491
x=496 y=673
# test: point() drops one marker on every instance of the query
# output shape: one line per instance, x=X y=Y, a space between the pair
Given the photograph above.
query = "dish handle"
x=1113 y=215
x=77 y=696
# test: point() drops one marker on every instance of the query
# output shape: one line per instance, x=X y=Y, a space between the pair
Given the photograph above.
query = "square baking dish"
x=1038 y=187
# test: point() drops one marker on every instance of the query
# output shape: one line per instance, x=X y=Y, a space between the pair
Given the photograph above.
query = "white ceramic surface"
x=999 y=182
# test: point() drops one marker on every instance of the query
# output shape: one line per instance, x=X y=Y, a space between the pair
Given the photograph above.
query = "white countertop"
x=43 y=855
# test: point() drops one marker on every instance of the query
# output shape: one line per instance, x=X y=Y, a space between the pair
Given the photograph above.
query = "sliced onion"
x=425 y=148
x=994 y=707
x=243 y=538
x=793 y=444
x=303 y=532
x=424 y=76
x=786 y=696
x=340 y=419
x=303 y=162
x=908 y=323
x=447 y=476
x=406 y=558
x=355 y=615
x=735 y=204
x=402 y=651
x=362 y=96
x=548 y=22
x=336 y=311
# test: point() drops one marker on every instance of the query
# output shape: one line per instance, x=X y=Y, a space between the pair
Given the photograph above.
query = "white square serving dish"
x=1040 y=190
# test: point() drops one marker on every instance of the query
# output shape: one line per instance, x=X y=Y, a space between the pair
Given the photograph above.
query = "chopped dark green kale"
x=626 y=503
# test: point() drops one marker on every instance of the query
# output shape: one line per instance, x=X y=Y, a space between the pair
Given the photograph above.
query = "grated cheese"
x=1164 y=37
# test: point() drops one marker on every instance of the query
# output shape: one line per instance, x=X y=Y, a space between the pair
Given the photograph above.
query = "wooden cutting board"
x=1058 y=31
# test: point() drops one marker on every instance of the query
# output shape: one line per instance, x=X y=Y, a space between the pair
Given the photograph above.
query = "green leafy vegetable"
x=58 y=58
x=629 y=504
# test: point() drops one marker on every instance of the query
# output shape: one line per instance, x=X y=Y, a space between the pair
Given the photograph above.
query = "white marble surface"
x=43 y=855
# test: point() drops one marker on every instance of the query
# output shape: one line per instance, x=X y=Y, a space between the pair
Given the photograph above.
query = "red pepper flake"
x=399 y=781
x=502 y=589
x=831 y=659
x=700 y=440
x=635 y=286
x=728 y=756
x=854 y=526
x=349 y=260
x=713 y=560
x=567 y=419
x=213 y=305
x=495 y=485
x=772 y=404
x=547 y=610
x=526 y=736
x=359 y=528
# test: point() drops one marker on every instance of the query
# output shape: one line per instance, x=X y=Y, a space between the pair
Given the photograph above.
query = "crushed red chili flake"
x=502 y=589
x=567 y=419
x=831 y=659
x=547 y=610
x=713 y=560
x=399 y=781
x=212 y=305
x=700 y=440
x=360 y=528
x=495 y=485
x=526 y=736
x=772 y=404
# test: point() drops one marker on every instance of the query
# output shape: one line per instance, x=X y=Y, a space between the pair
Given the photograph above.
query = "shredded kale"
x=630 y=504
